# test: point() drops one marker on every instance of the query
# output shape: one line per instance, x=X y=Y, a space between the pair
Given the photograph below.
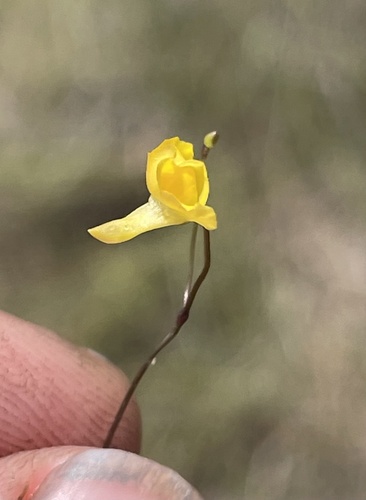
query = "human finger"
x=53 y=393
x=67 y=473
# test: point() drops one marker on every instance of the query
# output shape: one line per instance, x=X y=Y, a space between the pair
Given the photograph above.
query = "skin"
x=57 y=402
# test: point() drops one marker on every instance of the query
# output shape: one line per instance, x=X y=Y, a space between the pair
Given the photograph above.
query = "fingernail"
x=113 y=474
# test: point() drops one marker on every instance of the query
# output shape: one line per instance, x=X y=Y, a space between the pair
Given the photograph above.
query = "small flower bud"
x=211 y=139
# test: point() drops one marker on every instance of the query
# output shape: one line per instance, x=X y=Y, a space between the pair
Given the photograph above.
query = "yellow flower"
x=179 y=189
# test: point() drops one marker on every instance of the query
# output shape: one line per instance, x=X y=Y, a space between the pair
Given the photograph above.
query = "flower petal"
x=186 y=150
x=204 y=216
x=152 y=215
x=167 y=149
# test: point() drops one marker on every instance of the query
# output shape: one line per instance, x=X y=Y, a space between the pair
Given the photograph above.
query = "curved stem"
x=181 y=318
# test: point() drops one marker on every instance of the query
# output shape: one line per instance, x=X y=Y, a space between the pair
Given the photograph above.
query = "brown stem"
x=192 y=255
x=181 y=318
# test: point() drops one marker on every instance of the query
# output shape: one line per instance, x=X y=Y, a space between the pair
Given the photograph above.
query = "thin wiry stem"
x=181 y=318
x=192 y=255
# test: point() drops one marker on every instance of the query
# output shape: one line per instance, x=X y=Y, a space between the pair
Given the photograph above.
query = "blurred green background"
x=263 y=396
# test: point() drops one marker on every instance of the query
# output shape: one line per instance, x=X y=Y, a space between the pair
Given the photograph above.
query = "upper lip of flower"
x=176 y=178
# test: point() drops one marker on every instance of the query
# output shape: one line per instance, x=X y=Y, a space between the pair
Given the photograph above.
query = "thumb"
x=67 y=473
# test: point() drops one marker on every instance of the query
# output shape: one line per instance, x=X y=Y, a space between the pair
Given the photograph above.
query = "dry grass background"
x=264 y=394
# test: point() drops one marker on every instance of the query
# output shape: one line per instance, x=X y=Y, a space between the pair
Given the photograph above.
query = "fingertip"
x=89 y=473
x=96 y=473
x=53 y=393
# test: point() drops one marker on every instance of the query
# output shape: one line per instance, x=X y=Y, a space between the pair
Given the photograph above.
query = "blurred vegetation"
x=263 y=396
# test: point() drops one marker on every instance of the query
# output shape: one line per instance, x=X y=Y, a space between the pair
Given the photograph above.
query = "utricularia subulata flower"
x=179 y=189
